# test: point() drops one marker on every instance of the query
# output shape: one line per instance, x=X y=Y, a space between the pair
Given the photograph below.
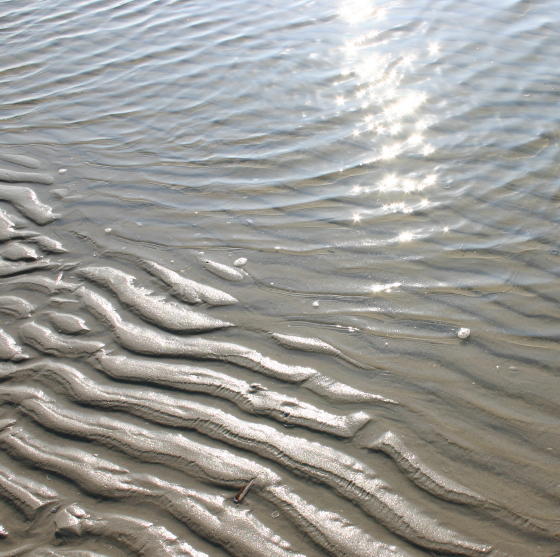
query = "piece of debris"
x=3 y=532
x=463 y=333
x=256 y=387
x=242 y=493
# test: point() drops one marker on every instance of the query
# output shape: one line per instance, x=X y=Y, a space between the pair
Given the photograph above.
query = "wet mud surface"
x=317 y=321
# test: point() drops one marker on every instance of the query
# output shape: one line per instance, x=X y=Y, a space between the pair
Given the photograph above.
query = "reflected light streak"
x=434 y=48
x=406 y=105
x=357 y=11
x=405 y=208
x=391 y=108
x=379 y=74
x=391 y=151
x=427 y=149
x=388 y=287
x=397 y=207
x=391 y=183
x=406 y=236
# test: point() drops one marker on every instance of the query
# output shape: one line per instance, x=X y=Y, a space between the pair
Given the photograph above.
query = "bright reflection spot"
x=406 y=105
x=430 y=179
x=391 y=151
x=427 y=149
x=356 y=11
x=356 y=218
x=406 y=236
x=404 y=208
x=409 y=185
x=393 y=183
x=434 y=48
x=384 y=287
x=423 y=124
x=339 y=100
x=408 y=60
x=397 y=207
x=389 y=182
x=415 y=139
x=370 y=70
x=446 y=228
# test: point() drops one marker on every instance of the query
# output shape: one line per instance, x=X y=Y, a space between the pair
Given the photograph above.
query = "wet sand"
x=232 y=330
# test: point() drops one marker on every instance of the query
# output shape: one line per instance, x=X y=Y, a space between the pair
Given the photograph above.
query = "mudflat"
x=279 y=279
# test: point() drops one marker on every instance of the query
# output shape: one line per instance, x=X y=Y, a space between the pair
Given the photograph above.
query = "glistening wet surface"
x=279 y=278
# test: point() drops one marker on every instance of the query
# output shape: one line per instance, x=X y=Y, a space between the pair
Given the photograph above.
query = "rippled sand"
x=238 y=243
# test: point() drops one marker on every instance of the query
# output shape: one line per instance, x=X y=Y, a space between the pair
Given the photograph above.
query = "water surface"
x=389 y=170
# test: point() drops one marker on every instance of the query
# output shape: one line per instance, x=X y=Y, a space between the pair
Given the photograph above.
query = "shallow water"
x=389 y=170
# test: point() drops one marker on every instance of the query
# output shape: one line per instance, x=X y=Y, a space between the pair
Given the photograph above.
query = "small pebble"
x=62 y=170
x=315 y=304
x=463 y=333
x=108 y=230
x=61 y=192
x=275 y=514
x=240 y=262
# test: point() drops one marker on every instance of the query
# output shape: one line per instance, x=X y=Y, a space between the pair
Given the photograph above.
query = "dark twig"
x=242 y=493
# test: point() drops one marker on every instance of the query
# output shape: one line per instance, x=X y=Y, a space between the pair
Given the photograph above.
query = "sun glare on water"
x=392 y=118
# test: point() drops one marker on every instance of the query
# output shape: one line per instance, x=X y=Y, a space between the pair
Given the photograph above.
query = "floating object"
x=464 y=333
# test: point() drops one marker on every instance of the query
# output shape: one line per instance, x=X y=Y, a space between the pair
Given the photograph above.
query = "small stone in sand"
x=61 y=192
x=240 y=262
x=315 y=304
x=463 y=333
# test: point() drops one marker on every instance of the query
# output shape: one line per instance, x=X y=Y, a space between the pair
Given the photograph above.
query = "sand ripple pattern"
x=237 y=241
x=132 y=421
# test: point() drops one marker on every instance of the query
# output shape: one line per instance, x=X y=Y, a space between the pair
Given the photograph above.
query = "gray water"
x=390 y=173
